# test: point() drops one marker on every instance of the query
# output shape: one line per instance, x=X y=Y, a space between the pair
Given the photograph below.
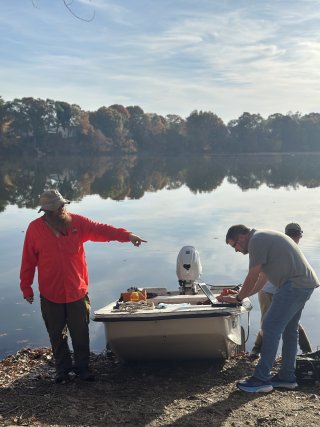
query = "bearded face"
x=59 y=218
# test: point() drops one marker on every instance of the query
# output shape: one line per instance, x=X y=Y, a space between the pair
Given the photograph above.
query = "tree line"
x=30 y=125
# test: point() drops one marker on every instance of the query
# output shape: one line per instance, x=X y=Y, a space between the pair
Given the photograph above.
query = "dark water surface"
x=169 y=202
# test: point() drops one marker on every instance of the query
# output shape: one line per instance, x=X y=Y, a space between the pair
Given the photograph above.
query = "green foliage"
x=206 y=132
x=108 y=120
x=249 y=133
x=64 y=114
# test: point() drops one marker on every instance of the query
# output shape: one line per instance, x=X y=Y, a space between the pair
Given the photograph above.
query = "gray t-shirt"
x=281 y=259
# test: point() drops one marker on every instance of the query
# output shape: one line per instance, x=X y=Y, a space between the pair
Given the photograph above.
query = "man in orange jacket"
x=54 y=245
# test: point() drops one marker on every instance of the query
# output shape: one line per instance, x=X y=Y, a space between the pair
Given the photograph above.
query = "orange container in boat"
x=134 y=296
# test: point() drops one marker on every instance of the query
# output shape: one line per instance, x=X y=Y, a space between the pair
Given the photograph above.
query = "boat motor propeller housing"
x=189 y=269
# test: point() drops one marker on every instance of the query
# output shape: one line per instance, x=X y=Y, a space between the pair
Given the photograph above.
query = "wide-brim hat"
x=51 y=200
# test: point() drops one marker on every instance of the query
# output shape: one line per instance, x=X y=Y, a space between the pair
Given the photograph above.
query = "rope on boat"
x=131 y=306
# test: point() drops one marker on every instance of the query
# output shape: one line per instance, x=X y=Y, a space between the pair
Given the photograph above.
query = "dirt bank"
x=149 y=395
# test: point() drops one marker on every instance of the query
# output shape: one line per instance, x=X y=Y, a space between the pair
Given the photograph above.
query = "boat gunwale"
x=145 y=316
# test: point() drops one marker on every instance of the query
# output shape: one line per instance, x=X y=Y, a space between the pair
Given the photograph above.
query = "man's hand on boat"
x=228 y=295
x=136 y=240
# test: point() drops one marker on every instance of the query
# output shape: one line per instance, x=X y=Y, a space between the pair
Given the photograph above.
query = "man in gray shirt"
x=265 y=295
x=274 y=256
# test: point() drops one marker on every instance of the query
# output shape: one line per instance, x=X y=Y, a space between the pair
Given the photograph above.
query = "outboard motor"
x=189 y=270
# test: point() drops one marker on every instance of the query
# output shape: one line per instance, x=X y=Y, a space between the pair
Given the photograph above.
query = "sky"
x=167 y=56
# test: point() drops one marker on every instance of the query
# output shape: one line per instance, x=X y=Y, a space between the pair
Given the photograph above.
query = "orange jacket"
x=61 y=261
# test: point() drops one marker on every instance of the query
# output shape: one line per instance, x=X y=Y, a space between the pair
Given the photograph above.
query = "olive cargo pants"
x=61 y=318
x=265 y=300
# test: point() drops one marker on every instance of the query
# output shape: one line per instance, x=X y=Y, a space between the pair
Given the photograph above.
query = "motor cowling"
x=189 y=270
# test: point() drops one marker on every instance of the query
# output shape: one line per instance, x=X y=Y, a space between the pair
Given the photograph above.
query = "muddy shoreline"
x=149 y=394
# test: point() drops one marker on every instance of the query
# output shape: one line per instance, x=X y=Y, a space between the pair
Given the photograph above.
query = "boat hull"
x=168 y=325
x=185 y=338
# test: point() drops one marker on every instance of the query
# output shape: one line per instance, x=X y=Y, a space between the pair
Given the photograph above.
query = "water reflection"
x=22 y=180
x=171 y=202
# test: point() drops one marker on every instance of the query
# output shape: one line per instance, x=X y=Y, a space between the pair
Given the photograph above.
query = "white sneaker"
x=278 y=383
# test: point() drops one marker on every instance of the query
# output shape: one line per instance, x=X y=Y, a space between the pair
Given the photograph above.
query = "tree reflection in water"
x=117 y=178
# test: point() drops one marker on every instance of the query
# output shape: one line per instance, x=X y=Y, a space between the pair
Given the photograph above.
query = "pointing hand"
x=136 y=240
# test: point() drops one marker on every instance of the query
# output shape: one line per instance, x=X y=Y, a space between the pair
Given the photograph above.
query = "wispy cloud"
x=167 y=57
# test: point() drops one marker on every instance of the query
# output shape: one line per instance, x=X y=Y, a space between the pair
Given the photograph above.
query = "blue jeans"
x=282 y=318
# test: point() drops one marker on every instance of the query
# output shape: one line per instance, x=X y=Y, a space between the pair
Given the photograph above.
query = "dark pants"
x=61 y=318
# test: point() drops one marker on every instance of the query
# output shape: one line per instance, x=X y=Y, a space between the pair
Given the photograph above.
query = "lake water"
x=169 y=202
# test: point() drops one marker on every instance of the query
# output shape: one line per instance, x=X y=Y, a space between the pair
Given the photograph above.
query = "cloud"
x=166 y=56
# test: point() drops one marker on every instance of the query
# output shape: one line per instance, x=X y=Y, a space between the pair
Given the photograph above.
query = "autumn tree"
x=247 y=133
x=287 y=129
x=206 y=132
x=64 y=114
x=4 y=119
x=32 y=118
x=175 y=133
x=311 y=129
x=108 y=120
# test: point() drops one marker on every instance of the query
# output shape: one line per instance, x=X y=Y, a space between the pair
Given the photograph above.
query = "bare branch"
x=68 y=4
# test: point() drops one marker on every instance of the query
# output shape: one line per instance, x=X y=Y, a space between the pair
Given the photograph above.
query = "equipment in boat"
x=188 y=323
x=189 y=269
